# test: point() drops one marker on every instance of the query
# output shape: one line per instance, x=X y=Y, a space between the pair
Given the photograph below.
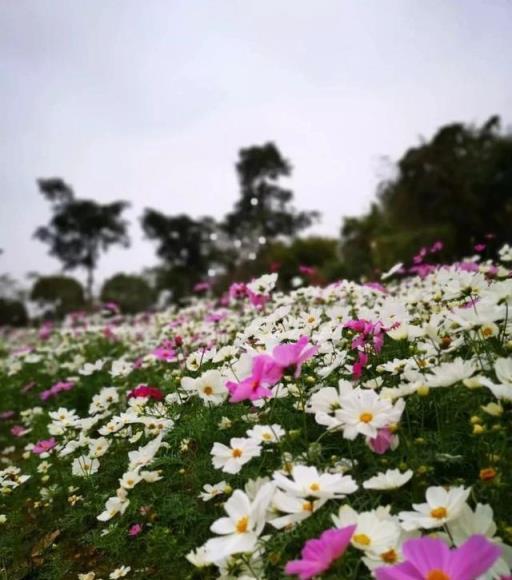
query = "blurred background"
x=155 y=150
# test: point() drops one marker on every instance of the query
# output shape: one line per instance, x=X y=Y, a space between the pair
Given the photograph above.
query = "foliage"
x=80 y=229
x=263 y=212
x=61 y=294
x=438 y=355
x=12 y=312
x=130 y=292
x=457 y=185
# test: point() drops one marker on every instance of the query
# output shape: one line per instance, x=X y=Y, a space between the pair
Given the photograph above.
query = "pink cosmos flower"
x=358 y=366
x=165 y=351
x=319 y=554
x=294 y=354
x=135 y=530
x=201 y=287
x=307 y=270
x=479 y=247
x=265 y=373
x=146 y=391
x=431 y=559
x=6 y=415
x=376 y=286
x=384 y=441
x=55 y=389
x=257 y=300
x=18 y=430
x=44 y=445
x=45 y=330
x=237 y=290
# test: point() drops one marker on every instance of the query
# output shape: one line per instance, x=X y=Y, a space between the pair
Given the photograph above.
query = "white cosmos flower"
x=449 y=373
x=240 y=530
x=83 y=466
x=365 y=412
x=198 y=557
x=442 y=506
x=115 y=505
x=90 y=368
x=211 y=491
x=209 y=387
x=146 y=453
x=481 y=521
x=503 y=370
x=266 y=433
x=390 y=479
x=230 y=459
x=377 y=531
x=308 y=482
x=264 y=284
x=328 y=399
x=289 y=509
x=130 y=479
x=120 y=572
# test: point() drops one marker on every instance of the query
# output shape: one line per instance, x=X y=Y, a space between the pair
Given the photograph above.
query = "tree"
x=132 y=293
x=61 y=293
x=12 y=312
x=80 y=229
x=460 y=180
x=186 y=246
x=264 y=211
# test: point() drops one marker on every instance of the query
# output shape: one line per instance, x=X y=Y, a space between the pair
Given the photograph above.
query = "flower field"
x=350 y=431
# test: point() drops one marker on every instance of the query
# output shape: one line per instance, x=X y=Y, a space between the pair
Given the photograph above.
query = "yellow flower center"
x=307 y=506
x=207 y=390
x=439 y=513
x=362 y=539
x=314 y=487
x=267 y=436
x=390 y=557
x=236 y=452
x=437 y=575
x=365 y=417
x=242 y=524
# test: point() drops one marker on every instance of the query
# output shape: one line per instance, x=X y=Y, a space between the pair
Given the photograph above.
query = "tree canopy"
x=80 y=229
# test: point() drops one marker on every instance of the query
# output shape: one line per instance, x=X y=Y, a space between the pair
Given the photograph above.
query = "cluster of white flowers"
x=448 y=330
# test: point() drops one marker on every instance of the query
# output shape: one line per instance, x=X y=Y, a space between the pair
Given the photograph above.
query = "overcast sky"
x=150 y=100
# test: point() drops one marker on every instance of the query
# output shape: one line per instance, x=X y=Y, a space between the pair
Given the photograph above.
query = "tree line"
x=454 y=190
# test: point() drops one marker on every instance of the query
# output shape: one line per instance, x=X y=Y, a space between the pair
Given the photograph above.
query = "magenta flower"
x=358 y=366
x=146 y=391
x=431 y=559
x=237 y=290
x=257 y=300
x=307 y=270
x=135 y=530
x=44 y=445
x=318 y=554
x=294 y=354
x=265 y=374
